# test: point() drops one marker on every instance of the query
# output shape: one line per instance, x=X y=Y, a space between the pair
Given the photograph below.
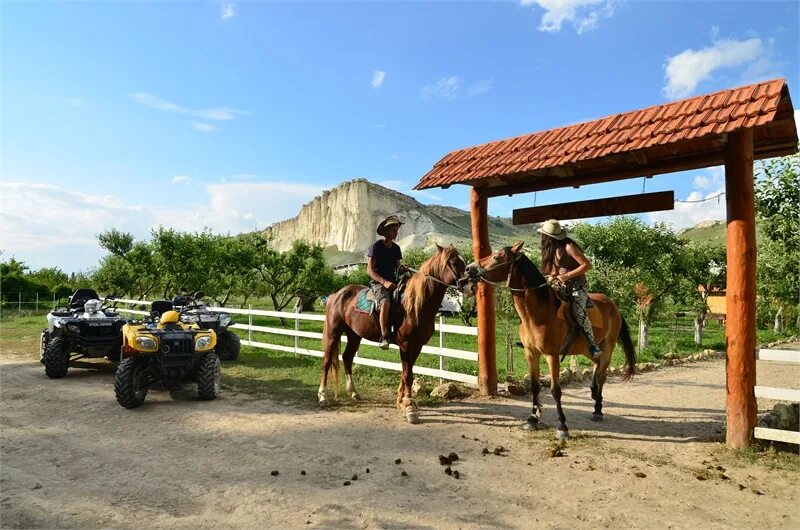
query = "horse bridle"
x=452 y=270
x=481 y=272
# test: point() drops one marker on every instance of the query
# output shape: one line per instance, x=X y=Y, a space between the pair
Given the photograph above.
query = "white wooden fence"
x=439 y=350
x=779 y=394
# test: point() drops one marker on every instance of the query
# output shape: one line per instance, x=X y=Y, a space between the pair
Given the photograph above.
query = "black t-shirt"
x=385 y=259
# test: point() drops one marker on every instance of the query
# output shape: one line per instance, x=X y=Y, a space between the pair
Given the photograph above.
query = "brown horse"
x=543 y=333
x=423 y=297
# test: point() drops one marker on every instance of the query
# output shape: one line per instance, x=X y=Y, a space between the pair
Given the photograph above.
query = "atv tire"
x=208 y=377
x=56 y=358
x=44 y=339
x=229 y=346
x=129 y=383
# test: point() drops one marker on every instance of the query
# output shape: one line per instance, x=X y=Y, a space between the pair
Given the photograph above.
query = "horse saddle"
x=366 y=302
x=592 y=311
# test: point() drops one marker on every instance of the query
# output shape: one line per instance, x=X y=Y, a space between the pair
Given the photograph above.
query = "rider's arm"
x=584 y=265
x=374 y=274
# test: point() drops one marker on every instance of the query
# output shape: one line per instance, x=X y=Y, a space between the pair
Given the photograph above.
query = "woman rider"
x=564 y=259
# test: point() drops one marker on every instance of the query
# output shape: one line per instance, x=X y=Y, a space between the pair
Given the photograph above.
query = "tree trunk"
x=779 y=320
x=644 y=338
x=698 y=330
x=307 y=304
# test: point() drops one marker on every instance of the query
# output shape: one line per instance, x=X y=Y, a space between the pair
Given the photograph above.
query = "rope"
x=717 y=196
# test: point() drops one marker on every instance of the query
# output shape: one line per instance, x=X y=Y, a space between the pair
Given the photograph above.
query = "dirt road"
x=71 y=457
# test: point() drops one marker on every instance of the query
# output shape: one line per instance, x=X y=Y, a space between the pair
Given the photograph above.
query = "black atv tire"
x=44 y=339
x=208 y=377
x=126 y=381
x=229 y=346
x=56 y=358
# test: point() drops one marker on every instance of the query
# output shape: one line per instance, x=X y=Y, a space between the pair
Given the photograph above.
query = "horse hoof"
x=562 y=436
x=530 y=426
x=412 y=417
x=355 y=396
x=597 y=416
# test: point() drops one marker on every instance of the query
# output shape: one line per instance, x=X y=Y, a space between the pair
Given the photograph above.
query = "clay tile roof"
x=689 y=122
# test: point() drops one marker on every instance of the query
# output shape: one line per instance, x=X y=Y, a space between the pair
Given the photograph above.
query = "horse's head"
x=451 y=265
x=494 y=268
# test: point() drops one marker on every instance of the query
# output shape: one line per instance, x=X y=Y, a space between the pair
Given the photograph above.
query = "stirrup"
x=384 y=343
x=596 y=352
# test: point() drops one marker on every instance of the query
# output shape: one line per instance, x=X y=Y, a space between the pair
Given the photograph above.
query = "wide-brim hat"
x=553 y=228
x=386 y=223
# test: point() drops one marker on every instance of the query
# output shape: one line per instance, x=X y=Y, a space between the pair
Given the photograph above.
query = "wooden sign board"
x=643 y=202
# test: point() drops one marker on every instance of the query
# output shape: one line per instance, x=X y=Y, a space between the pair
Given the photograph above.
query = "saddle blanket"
x=365 y=302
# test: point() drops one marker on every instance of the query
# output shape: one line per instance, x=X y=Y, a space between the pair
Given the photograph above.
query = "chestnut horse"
x=423 y=297
x=543 y=333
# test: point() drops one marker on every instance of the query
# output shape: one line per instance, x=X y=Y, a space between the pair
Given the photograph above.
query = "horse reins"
x=482 y=271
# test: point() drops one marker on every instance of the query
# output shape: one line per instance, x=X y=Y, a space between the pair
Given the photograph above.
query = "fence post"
x=250 y=324
x=441 y=345
x=297 y=309
x=37 y=302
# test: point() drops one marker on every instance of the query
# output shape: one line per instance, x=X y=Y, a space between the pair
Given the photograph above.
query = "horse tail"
x=627 y=346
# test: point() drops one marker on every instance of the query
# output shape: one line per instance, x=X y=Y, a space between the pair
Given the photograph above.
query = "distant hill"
x=344 y=218
x=707 y=231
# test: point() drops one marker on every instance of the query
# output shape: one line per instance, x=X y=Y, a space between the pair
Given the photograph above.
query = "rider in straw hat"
x=563 y=259
x=384 y=259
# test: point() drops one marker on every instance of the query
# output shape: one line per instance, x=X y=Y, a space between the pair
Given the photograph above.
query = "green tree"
x=705 y=266
x=777 y=194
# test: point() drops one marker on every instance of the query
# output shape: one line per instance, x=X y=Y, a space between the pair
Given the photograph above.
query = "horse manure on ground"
x=354 y=477
x=499 y=450
x=443 y=460
x=555 y=451
x=456 y=474
x=397 y=461
x=485 y=451
x=346 y=483
x=367 y=470
x=303 y=472
x=275 y=473
x=448 y=470
x=639 y=474
x=403 y=474
x=453 y=457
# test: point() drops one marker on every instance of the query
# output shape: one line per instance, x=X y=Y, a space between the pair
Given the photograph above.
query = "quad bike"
x=83 y=329
x=161 y=353
x=193 y=309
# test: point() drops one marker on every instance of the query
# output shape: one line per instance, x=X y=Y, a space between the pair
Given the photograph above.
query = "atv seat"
x=161 y=307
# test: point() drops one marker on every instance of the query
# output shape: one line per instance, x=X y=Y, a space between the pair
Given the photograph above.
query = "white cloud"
x=453 y=87
x=584 y=15
x=74 y=102
x=182 y=179
x=32 y=226
x=378 y=76
x=226 y=11
x=689 y=68
x=708 y=184
x=203 y=126
x=215 y=113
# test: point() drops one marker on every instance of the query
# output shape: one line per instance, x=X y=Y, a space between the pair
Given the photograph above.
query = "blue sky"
x=233 y=115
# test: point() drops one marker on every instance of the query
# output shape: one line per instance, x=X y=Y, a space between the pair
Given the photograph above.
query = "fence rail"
x=439 y=350
x=778 y=394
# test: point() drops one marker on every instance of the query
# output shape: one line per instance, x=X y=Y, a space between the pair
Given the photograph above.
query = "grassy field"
x=295 y=378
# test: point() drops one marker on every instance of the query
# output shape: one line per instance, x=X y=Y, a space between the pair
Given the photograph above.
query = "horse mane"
x=533 y=278
x=419 y=288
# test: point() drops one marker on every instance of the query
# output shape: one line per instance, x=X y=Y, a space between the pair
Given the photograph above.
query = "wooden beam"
x=643 y=202
x=484 y=297
x=740 y=293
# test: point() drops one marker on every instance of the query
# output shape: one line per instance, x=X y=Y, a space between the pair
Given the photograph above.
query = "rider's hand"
x=389 y=285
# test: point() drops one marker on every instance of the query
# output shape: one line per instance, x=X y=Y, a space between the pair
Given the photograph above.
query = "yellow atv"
x=162 y=352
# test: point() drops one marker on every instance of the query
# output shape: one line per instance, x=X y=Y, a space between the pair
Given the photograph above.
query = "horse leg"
x=353 y=341
x=408 y=405
x=330 y=359
x=536 y=405
x=598 y=380
x=562 y=433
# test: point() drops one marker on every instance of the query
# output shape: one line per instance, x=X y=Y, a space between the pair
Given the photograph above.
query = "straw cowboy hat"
x=386 y=223
x=553 y=228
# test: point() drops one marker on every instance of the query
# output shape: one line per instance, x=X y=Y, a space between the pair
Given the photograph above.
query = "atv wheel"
x=44 y=338
x=56 y=358
x=130 y=384
x=208 y=376
x=229 y=346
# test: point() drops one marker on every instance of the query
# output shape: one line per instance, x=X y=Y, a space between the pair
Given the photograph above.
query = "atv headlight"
x=224 y=319
x=202 y=343
x=146 y=343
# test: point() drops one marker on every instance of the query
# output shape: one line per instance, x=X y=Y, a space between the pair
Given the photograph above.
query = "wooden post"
x=484 y=297
x=740 y=297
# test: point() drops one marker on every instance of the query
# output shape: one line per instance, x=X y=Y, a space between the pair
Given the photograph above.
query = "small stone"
x=485 y=451
x=700 y=477
x=354 y=477
x=275 y=473
x=397 y=461
x=303 y=472
x=419 y=389
x=403 y=474
x=456 y=474
x=742 y=487
x=639 y=474
x=37 y=487
x=448 y=470
x=757 y=492
x=443 y=460
x=346 y=483
x=367 y=470
x=452 y=457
